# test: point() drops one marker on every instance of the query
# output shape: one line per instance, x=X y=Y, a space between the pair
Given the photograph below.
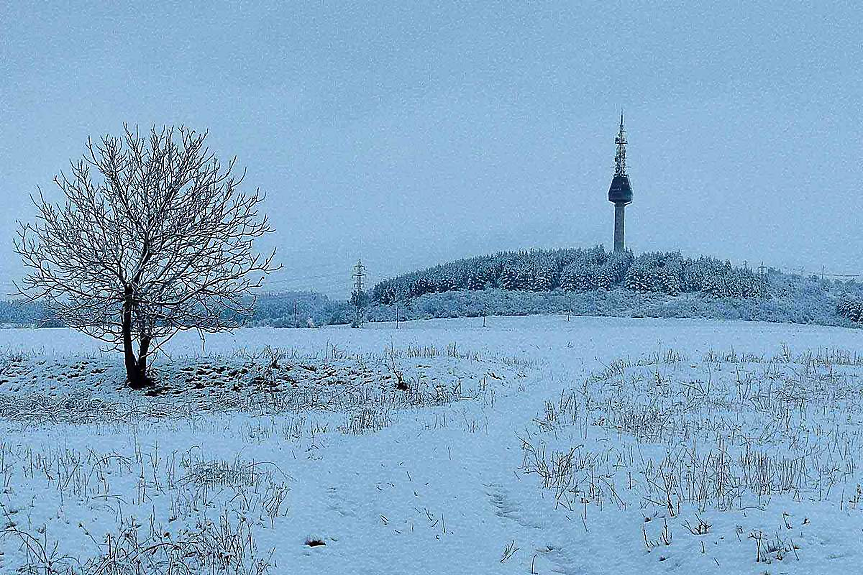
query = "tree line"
x=578 y=270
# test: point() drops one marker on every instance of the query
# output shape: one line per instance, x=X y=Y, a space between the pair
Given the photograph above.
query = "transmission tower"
x=620 y=192
x=359 y=274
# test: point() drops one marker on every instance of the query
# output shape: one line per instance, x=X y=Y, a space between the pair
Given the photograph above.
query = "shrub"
x=851 y=308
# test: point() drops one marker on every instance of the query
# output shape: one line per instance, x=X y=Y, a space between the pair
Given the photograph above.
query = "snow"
x=447 y=477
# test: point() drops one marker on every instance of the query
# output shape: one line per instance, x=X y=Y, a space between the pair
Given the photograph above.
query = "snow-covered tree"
x=153 y=237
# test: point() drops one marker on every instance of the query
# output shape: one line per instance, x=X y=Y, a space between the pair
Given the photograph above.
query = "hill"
x=594 y=281
x=577 y=270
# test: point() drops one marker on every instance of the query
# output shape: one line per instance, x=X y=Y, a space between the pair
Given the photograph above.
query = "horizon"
x=409 y=137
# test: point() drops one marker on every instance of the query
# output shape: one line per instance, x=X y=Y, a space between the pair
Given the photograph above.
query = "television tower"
x=620 y=192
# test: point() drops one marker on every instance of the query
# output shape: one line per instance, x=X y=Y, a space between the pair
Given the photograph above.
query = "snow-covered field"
x=533 y=445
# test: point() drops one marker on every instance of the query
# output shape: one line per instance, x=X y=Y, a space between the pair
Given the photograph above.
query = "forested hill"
x=593 y=281
x=578 y=270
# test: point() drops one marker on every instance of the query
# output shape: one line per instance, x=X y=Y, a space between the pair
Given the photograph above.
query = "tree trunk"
x=136 y=368
x=142 y=357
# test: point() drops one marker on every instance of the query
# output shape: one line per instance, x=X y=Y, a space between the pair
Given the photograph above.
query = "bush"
x=851 y=308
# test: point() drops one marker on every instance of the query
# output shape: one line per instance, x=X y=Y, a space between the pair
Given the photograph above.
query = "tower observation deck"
x=620 y=191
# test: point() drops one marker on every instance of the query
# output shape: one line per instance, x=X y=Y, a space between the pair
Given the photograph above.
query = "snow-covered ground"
x=532 y=445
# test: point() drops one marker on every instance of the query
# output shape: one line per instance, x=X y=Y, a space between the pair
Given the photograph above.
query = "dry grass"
x=730 y=432
x=209 y=508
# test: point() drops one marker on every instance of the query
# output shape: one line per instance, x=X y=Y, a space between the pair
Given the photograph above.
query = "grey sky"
x=411 y=133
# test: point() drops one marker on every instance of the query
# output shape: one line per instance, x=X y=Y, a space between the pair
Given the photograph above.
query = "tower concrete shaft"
x=619 y=210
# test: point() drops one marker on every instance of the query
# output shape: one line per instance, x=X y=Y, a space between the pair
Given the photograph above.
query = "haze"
x=410 y=135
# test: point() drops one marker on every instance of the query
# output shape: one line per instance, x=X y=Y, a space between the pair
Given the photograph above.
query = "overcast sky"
x=408 y=133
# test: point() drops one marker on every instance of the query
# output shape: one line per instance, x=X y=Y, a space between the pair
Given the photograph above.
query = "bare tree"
x=158 y=242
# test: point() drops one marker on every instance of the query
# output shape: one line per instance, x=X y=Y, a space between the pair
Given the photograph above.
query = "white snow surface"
x=532 y=445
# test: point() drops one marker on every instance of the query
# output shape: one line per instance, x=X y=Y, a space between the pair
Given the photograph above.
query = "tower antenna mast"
x=620 y=155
